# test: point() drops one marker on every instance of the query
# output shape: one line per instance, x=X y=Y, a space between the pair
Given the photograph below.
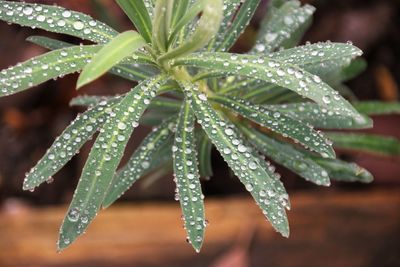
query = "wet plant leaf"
x=255 y=178
x=344 y=172
x=284 y=27
x=103 y=160
x=286 y=155
x=326 y=60
x=207 y=27
x=51 y=65
x=375 y=144
x=377 y=107
x=204 y=146
x=140 y=162
x=269 y=70
x=138 y=68
x=69 y=143
x=56 y=19
x=137 y=12
x=278 y=122
x=187 y=177
x=321 y=117
x=237 y=26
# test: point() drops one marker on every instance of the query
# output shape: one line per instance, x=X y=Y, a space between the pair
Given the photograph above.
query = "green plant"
x=265 y=102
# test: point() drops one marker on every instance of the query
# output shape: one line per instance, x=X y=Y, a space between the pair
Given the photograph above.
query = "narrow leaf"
x=375 y=144
x=56 y=19
x=140 y=162
x=204 y=146
x=321 y=117
x=69 y=143
x=325 y=60
x=278 y=122
x=137 y=12
x=180 y=9
x=258 y=181
x=122 y=46
x=283 y=74
x=137 y=68
x=284 y=27
x=230 y=10
x=355 y=68
x=187 y=177
x=88 y=100
x=288 y=156
x=206 y=29
x=343 y=171
x=377 y=108
x=237 y=27
x=49 y=66
x=185 y=20
x=103 y=160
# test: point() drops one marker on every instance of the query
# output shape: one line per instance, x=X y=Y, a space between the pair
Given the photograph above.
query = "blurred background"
x=344 y=225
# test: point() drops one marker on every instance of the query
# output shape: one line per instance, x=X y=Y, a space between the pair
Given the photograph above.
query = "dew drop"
x=78 y=25
x=66 y=14
x=28 y=10
x=73 y=215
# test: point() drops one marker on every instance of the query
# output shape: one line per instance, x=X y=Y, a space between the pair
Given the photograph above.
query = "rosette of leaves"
x=268 y=102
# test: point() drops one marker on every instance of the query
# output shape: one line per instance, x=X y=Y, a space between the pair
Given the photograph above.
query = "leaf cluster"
x=267 y=102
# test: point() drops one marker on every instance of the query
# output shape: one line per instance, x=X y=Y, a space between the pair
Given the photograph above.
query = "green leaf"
x=165 y=104
x=375 y=144
x=288 y=156
x=119 y=48
x=103 y=160
x=377 y=108
x=149 y=4
x=325 y=60
x=278 y=122
x=69 y=143
x=48 y=43
x=207 y=27
x=49 y=66
x=355 y=68
x=284 y=27
x=137 y=12
x=146 y=155
x=343 y=171
x=230 y=9
x=180 y=9
x=88 y=100
x=129 y=69
x=204 y=146
x=56 y=19
x=187 y=177
x=53 y=44
x=239 y=24
x=257 y=180
x=269 y=70
x=161 y=24
x=189 y=16
x=321 y=117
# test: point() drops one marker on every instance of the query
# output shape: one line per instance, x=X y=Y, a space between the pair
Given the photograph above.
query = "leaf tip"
x=82 y=81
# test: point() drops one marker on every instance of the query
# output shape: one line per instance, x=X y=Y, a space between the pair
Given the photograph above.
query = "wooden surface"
x=328 y=228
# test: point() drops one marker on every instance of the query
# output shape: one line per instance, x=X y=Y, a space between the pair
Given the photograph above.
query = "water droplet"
x=73 y=215
x=145 y=164
x=326 y=99
x=66 y=14
x=28 y=10
x=78 y=25
x=121 y=126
